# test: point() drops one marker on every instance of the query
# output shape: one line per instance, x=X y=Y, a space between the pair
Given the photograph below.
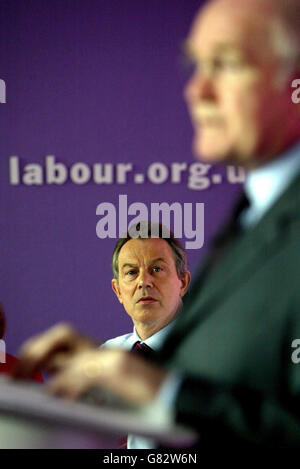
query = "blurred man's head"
x=150 y=279
x=246 y=55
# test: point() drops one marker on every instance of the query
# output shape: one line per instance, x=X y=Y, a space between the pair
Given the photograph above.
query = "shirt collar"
x=265 y=185
x=156 y=339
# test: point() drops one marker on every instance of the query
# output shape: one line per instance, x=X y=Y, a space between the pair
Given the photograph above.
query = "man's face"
x=236 y=103
x=148 y=285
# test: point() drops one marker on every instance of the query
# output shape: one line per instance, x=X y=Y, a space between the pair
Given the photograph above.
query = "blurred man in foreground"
x=225 y=369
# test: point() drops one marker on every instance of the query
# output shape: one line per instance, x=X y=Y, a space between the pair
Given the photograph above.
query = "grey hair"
x=145 y=230
x=284 y=34
x=282 y=18
x=286 y=29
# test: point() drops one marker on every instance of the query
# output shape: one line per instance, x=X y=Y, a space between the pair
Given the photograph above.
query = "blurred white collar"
x=265 y=185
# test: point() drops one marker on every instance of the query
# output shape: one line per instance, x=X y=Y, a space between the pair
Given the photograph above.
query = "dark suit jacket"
x=232 y=341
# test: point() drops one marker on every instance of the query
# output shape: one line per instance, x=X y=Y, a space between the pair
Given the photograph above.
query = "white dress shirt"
x=126 y=342
x=266 y=184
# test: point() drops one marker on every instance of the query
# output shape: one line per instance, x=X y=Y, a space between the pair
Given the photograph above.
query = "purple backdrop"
x=91 y=81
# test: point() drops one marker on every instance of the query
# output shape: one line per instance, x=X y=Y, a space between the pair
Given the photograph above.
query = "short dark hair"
x=145 y=230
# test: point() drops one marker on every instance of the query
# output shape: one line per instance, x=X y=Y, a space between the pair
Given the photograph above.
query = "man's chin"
x=212 y=152
x=148 y=313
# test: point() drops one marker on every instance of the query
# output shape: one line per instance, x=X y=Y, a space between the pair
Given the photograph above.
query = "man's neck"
x=144 y=331
x=277 y=151
x=147 y=329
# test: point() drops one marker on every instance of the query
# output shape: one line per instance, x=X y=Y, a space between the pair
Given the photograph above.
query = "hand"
x=124 y=374
x=51 y=351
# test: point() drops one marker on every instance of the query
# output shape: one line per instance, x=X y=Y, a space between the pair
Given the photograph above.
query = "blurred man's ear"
x=2 y=321
x=185 y=282
x=116 y=289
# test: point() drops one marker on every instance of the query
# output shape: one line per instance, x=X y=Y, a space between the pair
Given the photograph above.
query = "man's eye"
x=230 y=65
x=157 y=269
x=130 y=272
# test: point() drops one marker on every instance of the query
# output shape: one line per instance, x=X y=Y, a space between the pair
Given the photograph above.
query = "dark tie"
x=145 y=351
x=226 y=237
x=142 y=349
x=229 y=233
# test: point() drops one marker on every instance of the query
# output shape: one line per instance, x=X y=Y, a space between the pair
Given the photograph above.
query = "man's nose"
x=145 y=280
x=199 y=87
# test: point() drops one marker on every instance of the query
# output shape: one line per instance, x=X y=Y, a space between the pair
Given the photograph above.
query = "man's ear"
x=185 y=282
x=116 y=289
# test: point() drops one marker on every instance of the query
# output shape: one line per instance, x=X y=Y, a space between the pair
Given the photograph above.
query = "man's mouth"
x=206 y=119
x=147 y=299
x=210 y=122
